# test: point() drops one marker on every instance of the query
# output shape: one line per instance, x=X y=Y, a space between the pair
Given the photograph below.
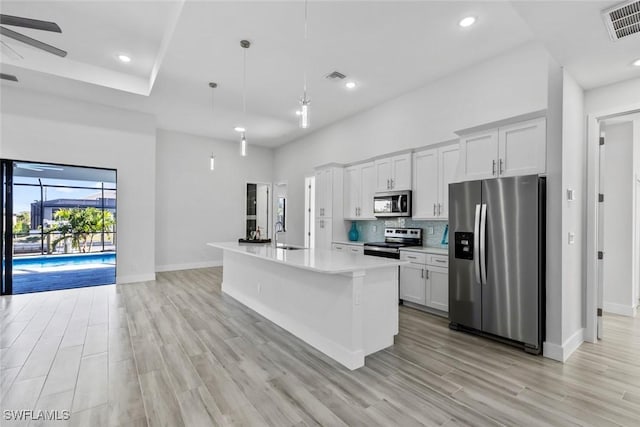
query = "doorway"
x=613 y=272
x=58 y=227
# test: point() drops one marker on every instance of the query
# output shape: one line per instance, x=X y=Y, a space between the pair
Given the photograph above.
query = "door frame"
x=593 y=188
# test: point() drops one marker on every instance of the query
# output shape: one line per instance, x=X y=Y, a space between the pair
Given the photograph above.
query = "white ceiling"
x=389 y=48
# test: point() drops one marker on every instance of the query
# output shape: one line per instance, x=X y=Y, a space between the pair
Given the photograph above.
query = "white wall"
x=618 y=218
x=44 y=128
x=509 y=85
x=196 y=205
x=574 y=156
x=618 y=96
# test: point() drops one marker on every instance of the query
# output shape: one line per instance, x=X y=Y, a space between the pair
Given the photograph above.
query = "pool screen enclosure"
x=59 y=227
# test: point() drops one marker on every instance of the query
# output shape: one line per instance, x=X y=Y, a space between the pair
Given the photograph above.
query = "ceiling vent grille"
x=336 y=75
x=622 y=20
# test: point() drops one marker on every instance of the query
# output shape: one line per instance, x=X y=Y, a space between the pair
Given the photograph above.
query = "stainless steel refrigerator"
x=496 y=259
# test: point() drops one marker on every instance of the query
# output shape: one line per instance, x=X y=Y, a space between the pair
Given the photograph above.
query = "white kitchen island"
x=343 y=304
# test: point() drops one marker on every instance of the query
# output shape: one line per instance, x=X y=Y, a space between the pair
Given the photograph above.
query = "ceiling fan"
x=36 y=24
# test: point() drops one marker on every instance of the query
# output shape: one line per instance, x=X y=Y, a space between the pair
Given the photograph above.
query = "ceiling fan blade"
x=36 y=24
x=32 y=42
x=10 y=77
x=10 y=51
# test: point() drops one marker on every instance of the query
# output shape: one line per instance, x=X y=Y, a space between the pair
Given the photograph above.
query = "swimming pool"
x=60 y=260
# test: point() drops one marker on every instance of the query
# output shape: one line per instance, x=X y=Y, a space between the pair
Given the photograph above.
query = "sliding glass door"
x=59 y=227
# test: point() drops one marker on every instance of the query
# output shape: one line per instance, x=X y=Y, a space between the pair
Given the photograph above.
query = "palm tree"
x=81 y=225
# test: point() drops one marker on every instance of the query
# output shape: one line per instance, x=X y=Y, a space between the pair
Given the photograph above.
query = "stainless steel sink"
x=290 y=248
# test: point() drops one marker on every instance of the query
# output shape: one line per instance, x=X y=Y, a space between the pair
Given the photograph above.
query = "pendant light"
x=212 y=162
x=245 y=44
x=304 y=101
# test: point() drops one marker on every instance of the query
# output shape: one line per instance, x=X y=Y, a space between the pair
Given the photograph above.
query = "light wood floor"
x=176 y=352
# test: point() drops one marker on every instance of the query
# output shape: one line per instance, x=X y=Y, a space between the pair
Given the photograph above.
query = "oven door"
x=392 y=204
x=382 y=252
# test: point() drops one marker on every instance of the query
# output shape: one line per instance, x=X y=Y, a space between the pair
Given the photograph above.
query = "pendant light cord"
x=306 y=30
x=244 y=82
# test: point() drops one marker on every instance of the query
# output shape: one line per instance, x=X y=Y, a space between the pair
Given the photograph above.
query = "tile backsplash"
x=367 y=233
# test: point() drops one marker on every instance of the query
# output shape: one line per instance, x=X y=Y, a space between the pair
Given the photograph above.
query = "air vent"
x=622 y=20
x=336 y=75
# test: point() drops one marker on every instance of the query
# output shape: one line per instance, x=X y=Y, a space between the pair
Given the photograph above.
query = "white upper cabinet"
x=329 y=192
x=512 y=150
x=425 y=184
x=478 y=155
x=359 y=188
x=448 y=158
x=522 y=148
x=433 y=171
x=393 y=173
x=352 y=189
x=368 y=173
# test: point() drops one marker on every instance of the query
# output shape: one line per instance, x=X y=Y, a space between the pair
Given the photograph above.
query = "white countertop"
x=319 y=260
x=427 y=250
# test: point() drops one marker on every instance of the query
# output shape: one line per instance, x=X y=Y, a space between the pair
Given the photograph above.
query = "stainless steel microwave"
x=392 y=204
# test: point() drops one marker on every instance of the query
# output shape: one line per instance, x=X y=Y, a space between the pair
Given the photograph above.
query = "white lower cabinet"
x=324 y=233
x=425 y=281
x=348 y=248
x=438 y=288
x=412 y=284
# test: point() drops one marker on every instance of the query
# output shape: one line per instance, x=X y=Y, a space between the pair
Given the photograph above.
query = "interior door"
x=510 y=293
x=465 y=291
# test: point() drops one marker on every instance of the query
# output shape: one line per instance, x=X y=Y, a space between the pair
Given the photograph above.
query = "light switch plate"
x=430 y=231
x=570 y=195
x=571 y=238
x=374 y=228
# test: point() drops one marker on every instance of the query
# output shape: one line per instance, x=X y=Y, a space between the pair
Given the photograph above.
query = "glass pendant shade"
x=212 y=163
x=243 y=146
x=304 y=113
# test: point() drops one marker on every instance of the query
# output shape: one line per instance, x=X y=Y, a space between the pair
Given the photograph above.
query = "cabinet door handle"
x=441 y=261
x=493 y=168
x=427 y=274
x=438 y=209
x=422 y=273
x=388 y=184
x=434 y=209
x=392 y=184
x=501 y=166
x=412 y=257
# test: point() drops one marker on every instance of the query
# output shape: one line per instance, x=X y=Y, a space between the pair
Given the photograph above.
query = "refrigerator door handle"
x=476 y=244
x=483 y=248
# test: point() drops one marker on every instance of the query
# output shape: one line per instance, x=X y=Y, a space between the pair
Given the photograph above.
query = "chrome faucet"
x=278 y=227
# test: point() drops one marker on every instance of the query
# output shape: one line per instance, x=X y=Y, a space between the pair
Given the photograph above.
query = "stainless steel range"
x=394 y=239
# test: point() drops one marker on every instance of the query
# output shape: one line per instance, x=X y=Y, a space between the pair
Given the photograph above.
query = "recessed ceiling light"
x=636 y=63
x=124 y=58
x=350 y=85
x=467 y=22
x=239 y=129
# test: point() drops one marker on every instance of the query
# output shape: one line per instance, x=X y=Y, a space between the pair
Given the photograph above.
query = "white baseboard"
x=134 y=278
x=562 y=352
x=621 y=309
x=188 y=266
